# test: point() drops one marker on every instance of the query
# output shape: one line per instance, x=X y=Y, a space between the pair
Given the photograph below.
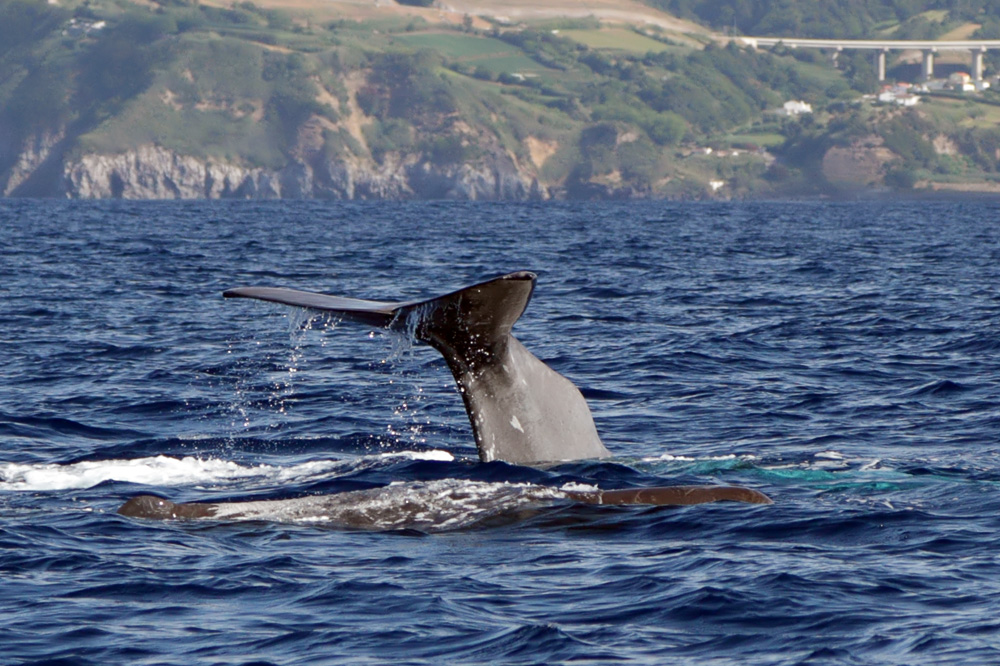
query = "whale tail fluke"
x=469 y=327
x=485 y=309
x=521 y=410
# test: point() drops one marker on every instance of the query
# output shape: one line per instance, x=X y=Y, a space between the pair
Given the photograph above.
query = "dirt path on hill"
x=621 y=11
x=454 y=12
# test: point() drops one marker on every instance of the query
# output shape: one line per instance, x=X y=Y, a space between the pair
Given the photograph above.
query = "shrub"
x=387 y=136
x=447 y=150
x=22 y=21
x=901 y=178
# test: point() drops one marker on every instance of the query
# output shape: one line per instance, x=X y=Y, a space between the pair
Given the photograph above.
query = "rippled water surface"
x=842 y=358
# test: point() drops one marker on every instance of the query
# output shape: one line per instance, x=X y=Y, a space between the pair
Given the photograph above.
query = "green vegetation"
x=616 y=39
x=590 y=110
x=458 y=45
x=903 y=19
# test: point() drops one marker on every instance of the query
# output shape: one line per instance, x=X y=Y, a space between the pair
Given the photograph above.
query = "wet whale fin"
x=673 y=495
x=151 y=506
x=375 y=313
x=521 y=410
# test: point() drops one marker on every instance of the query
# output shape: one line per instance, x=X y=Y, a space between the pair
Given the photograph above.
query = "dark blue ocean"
x=843 y=358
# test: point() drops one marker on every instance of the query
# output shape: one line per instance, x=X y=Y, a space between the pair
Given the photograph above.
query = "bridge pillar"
x=977 y=65
x=880 y=66
x=835 y=56
x=928 y=68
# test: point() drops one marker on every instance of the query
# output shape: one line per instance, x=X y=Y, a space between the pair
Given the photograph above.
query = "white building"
x=794 y=108
x=899 y=94
x=961 y=81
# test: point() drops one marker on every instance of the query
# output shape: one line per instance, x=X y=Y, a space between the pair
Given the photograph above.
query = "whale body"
x=432 y=506
x=521 y=411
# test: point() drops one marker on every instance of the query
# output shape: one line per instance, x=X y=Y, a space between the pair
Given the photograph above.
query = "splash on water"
x=167 y=471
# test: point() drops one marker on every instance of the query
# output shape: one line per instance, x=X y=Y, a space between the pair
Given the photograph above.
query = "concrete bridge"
x=882 y=46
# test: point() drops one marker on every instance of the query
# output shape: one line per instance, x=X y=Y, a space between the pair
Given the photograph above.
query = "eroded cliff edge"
x=153 y=172
x=47 y=166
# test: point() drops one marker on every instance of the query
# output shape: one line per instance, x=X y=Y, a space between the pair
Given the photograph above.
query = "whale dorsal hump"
x=521 y=410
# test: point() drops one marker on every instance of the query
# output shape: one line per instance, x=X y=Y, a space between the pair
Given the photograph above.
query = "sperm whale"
x=521 y=410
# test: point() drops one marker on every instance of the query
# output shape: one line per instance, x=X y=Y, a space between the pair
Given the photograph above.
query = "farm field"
x=459 y=46
x=762 y=139
x=491 y=54
x=621 y=39
x=963 y=113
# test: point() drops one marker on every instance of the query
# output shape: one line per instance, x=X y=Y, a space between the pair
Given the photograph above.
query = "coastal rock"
x=354 y=178
x=858 y=166
x=153 y=172
x=33 y=154
x=498 y=180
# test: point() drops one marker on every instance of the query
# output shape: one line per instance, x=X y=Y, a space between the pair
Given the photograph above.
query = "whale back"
x=521 y=410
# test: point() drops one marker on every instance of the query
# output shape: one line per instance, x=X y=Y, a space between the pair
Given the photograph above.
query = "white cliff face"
x=34 y=152
x=152 y=172
x=496 y=179
x=355 y=178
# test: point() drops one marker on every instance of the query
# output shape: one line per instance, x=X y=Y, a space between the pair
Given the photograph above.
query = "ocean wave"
x=170 y=471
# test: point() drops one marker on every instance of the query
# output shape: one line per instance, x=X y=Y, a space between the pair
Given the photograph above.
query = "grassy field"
x=620 y=39
x=820 y=73
x=494 y=55
x=515 y=64
x=963 y=113
x=459 y=46
x=763 y=139
x=935 y=15
x=961 y=32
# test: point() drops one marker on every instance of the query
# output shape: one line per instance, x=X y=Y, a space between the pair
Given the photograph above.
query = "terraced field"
x=618 y=39
x=492 y=54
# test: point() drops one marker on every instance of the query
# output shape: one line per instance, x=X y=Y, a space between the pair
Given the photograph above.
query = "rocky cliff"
x=153 y=172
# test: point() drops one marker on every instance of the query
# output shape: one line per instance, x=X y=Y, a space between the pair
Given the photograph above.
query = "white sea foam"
x=170 y=471
x=830 y=455
x=435 y=454
x=667 y=457
x=574 y=487
x=158 y=470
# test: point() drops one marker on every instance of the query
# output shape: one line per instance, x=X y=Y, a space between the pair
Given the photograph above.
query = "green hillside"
x=845 y=19
x=111 y=98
